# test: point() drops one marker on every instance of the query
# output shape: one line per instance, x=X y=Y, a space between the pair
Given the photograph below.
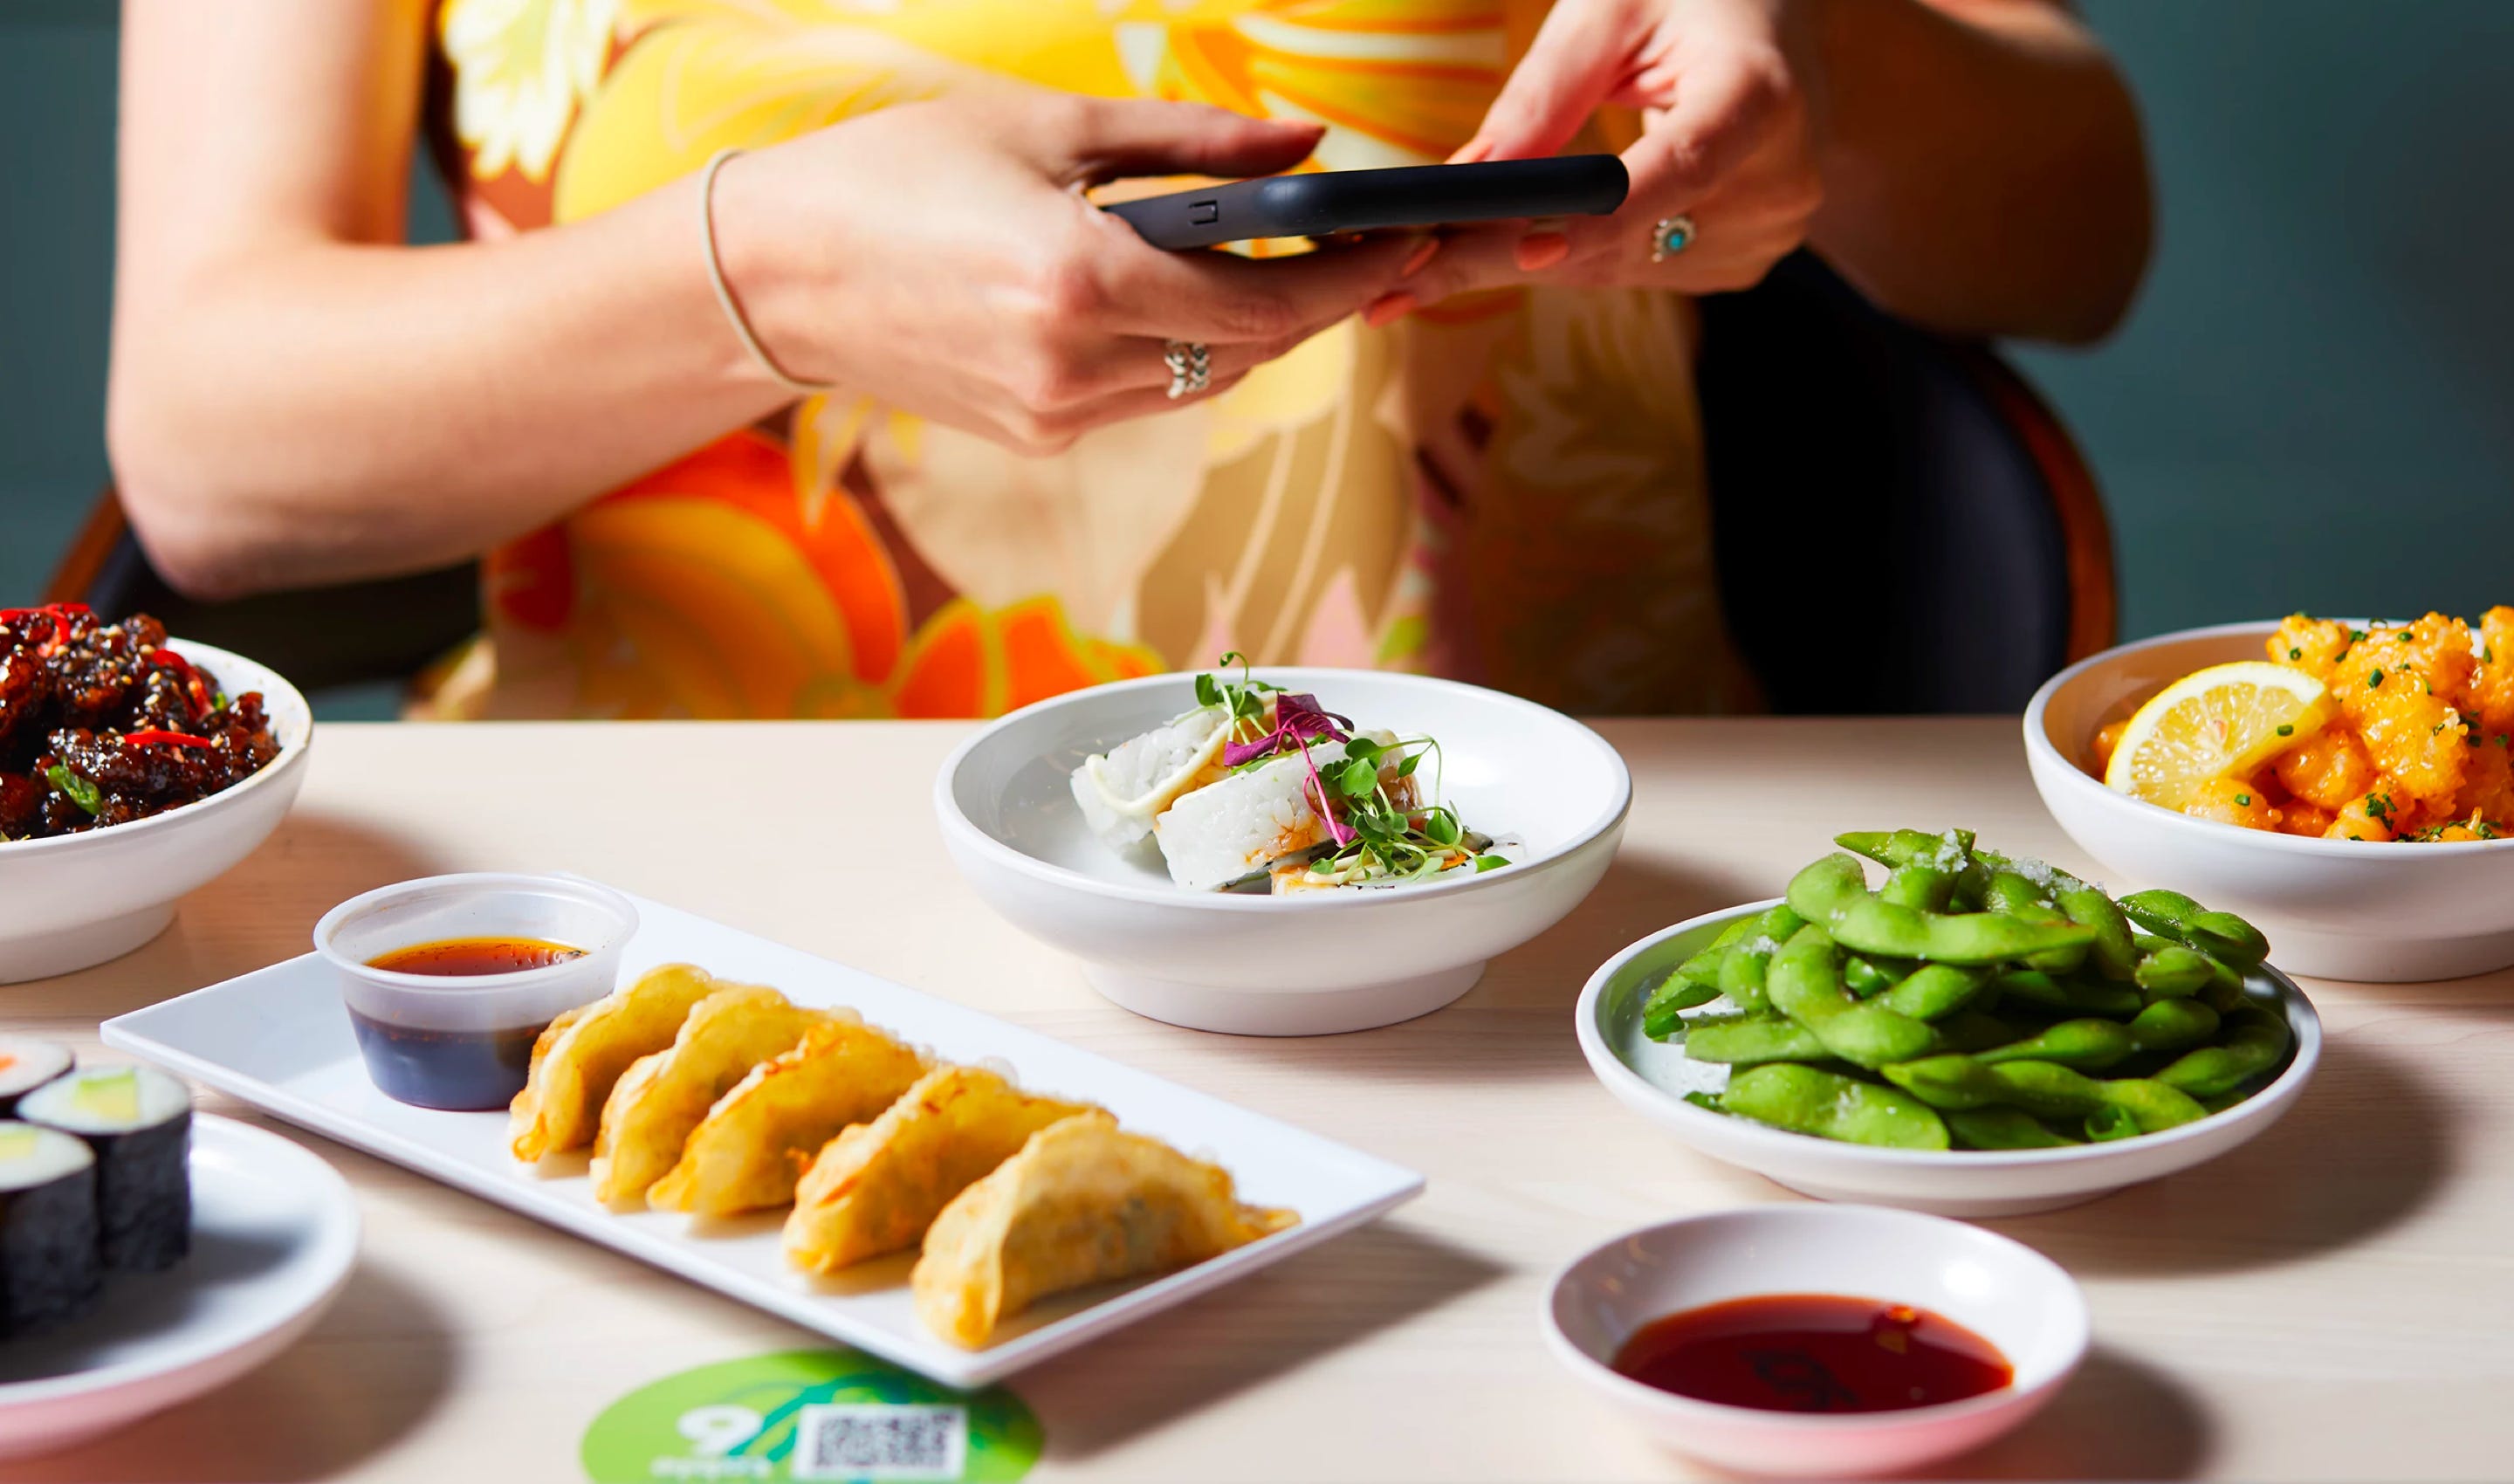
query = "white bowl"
x=2007 y=1293
x=1652 y=1078
x=72 y=902
x=274 y=1235
x=1305 y=965
x=2344 y=909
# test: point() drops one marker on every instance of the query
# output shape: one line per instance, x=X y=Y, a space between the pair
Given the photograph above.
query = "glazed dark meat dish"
x=99 y=724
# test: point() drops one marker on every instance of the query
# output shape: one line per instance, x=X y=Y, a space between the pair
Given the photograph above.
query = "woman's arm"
x=1983 y=169
x=1973 y=165
x=297 y=397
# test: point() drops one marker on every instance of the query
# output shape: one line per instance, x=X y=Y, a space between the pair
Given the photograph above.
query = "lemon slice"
x=2224 y=721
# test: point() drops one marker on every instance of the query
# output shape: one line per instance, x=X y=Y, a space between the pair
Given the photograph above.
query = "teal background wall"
x=2312 y=406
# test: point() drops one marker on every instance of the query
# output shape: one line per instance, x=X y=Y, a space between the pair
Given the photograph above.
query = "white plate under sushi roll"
x=1259 y=783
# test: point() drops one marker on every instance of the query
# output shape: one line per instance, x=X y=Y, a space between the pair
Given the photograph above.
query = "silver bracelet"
x=725 y=292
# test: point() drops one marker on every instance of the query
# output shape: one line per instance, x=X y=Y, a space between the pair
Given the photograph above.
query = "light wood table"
x=2335 y=1301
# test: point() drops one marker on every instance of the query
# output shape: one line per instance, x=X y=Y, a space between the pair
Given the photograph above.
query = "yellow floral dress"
x=1505 y=488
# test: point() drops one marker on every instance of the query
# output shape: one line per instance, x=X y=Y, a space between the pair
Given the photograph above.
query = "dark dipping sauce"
x=1814 y=1352
x=459 y=1070
x=450 y=957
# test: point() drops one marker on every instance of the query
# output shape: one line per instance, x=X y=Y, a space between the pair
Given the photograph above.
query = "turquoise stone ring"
x=1670 y=236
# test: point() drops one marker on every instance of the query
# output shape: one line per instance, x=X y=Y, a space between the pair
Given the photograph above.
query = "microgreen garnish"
x=1381 y=833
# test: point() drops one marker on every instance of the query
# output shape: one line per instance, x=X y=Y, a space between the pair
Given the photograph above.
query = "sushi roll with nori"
x=50 y=1264
x=26 y=1065
x=138 y=1121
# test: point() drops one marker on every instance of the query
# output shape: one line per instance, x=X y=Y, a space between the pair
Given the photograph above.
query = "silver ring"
x=1671 y=235
x=1191 y=367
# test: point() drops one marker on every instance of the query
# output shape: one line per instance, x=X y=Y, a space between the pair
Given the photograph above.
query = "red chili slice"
x=196 y=691
x=152 y=737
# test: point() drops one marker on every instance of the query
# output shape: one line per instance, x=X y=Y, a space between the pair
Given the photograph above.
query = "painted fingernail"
x=1388 y=308
x=1424 y=252
x=1539 y=250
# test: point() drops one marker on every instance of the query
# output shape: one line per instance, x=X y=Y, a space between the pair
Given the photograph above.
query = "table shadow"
x=200 y=949
x=1516 y=1024
x=2273 y=1200
x=2116 y=1418
x=1208 y=1351
x=312 y=1412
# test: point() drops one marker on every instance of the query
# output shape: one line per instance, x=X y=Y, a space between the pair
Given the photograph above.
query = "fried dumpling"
x=583 y=1052
x=664 y=1096
x=746 y=1154
x=876 y=1187
x=1082 y=1203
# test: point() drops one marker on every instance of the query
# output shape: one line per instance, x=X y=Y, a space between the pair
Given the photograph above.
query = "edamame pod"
x=2074 y=996
x=1934 y=992
x=2042 y=1088
x=2255 y=1041
x=2004 y=1128
x=1834 y=892
x=1864 y=979
x=1749 y=1040
x=1925 y=887
x=2111 y=952
x=2222 y=936
x=2086 y=1045
x=1664 y=1011
x=2172 y=970
x=1971 y=1031
x=1829 y=1105
x=2106 y=1124
x=2173 y=1024
x=1805 y=983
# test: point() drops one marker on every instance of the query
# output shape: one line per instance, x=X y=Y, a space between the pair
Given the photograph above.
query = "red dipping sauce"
x=1814 y=1352
x=453 y=957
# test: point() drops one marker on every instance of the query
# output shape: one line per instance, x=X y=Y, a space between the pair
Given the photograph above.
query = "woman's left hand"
x=1729 y=144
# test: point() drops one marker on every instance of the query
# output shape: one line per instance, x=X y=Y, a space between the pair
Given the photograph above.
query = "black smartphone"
x=1324 y=203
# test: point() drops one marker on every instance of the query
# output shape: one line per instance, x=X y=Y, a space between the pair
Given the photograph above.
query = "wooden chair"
x=320 y=638
x=1902 y=526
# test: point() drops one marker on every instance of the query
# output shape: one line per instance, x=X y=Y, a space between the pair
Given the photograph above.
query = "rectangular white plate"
x=280 y=1040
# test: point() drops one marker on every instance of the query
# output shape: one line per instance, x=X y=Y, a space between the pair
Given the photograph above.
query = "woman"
x=877 y=416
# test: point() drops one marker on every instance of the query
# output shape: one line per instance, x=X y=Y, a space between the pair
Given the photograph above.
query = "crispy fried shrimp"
x=2492 y=683
x=2366 y=819
x=2233 y=801
x=2099 y=753
x=2327 y=769
x=2413 y=734
x=2488 y=784
x=2310 y=645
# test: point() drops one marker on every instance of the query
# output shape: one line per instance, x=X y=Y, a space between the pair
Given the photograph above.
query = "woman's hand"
x=1725 y=91
x=940 y=257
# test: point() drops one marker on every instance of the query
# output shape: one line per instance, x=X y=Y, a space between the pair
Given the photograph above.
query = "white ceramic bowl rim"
x=2038 y=740
x=958 y=822
x=210 y=658
x=2302 y=1017
x=339 y=1254
x=2073 y=1343
x=479 y=883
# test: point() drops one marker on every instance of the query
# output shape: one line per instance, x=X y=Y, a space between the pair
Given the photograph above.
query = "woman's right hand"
x=941 y=256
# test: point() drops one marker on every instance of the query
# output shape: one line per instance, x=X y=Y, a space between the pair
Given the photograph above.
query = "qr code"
x=879 y=1441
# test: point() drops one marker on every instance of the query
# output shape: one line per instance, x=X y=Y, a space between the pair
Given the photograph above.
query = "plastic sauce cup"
x=465 y=1041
